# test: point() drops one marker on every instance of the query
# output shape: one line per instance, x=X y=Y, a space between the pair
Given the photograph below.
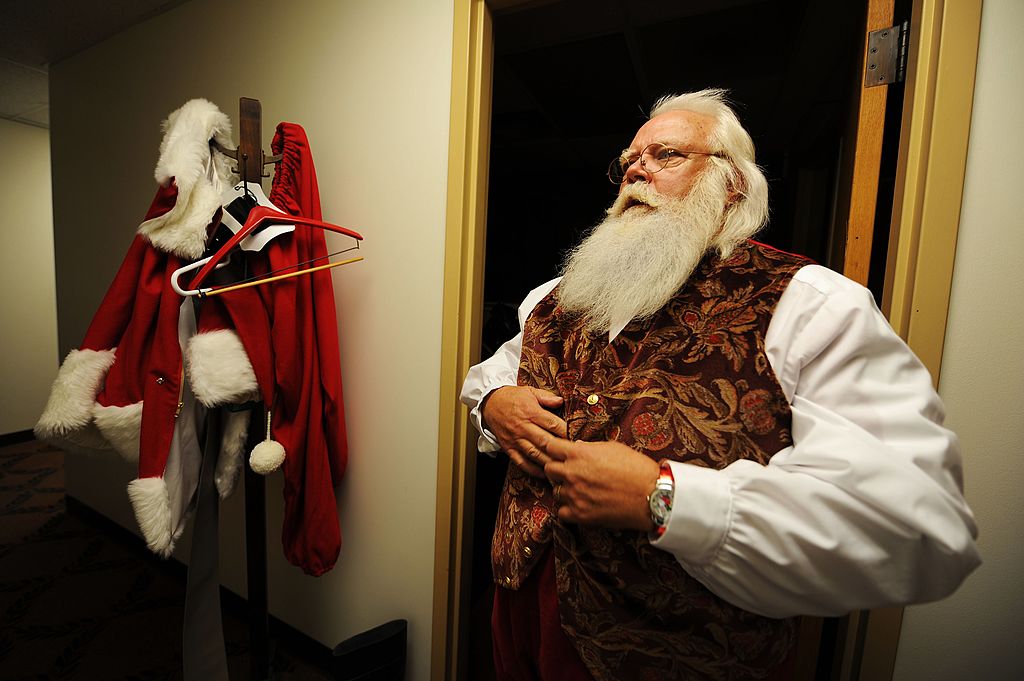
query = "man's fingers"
x=533 y=454
x=531 y=469
x=555 y=471
x=533 y=436
x=541 y=416
x=520 y=419
x=546 y=399
x=558 y=448
x=554 y=425
x=524 y=463
x=548 y=422
x=516 y=413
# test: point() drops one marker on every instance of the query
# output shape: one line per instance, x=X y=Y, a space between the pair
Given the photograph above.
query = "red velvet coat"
x=124 y=387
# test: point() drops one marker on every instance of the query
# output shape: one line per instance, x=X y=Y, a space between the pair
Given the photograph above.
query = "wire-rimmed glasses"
x=654 y=157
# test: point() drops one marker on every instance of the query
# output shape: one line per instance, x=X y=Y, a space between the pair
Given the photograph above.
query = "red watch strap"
x=666 y=471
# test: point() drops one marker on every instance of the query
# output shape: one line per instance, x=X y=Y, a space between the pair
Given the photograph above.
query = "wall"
x=28 y=334
x=974 y=634
x=370 y=82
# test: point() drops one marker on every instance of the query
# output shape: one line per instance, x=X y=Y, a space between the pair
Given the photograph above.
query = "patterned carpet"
x=81 y=599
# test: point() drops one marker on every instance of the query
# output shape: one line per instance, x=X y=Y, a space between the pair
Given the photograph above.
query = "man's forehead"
x=683 y=128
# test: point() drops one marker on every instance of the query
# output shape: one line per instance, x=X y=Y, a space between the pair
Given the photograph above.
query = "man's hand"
x=520 y=418
x=601 y=483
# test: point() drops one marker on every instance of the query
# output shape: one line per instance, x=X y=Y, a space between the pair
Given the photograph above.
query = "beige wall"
x=975 y=633
x=28 y=332
x=370 y=82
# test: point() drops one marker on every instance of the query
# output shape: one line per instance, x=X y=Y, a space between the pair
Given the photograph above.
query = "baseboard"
x=298 y=642
x=16 y=438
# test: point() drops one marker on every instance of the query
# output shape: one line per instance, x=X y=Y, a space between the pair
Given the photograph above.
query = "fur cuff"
x=152 y=507
x=121 y=427
x=86 y=442
x=69 y=408
x=218 y=369
x=229 y=463
x=199 y=174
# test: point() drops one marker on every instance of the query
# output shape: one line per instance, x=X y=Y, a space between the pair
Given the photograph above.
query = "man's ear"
x=736 y=188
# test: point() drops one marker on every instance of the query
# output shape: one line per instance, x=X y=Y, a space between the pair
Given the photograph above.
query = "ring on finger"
x=558 y=491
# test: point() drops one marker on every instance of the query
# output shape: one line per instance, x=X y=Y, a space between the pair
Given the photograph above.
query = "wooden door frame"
x=922 y=245
x=934 y=134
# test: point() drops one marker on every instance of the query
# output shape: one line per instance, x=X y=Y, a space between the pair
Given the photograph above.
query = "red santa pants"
x=529 y=644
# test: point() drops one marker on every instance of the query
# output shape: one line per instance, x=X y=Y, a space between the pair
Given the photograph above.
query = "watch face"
x=661 y=506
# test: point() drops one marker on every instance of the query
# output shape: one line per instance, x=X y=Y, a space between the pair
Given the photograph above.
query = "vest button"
x=160 y=381
x=527 y=551
x=592 y=400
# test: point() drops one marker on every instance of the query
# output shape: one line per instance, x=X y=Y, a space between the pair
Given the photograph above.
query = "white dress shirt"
x=864 y=510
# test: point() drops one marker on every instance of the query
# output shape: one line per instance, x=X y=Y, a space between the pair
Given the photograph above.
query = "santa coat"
x=134 y=383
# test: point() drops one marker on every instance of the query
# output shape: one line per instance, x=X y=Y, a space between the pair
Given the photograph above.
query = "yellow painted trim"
x=926 y=217
x=930 y=173
x=469 y=131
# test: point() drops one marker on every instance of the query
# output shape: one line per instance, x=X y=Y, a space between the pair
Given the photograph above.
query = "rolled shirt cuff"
x=486 y=442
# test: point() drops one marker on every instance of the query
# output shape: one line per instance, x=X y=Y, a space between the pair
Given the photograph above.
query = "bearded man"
x=708 y=437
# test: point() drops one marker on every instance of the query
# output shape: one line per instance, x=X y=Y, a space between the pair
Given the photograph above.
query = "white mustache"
x=631 y=194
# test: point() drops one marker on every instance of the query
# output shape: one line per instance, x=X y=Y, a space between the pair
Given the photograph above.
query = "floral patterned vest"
x=690 y=384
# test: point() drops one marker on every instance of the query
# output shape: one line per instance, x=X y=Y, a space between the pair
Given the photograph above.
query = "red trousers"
x=529 y=644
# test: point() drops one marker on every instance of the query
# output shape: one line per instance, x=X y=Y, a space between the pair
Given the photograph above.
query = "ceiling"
x=643 y=46
x=37 y=33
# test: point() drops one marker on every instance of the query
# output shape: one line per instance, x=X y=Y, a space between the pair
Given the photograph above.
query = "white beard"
x=636 y=259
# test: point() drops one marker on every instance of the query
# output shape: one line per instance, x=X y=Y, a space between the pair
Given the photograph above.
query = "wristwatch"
x=660 y=498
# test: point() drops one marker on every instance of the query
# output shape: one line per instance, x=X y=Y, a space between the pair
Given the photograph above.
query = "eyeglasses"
x=654 y=157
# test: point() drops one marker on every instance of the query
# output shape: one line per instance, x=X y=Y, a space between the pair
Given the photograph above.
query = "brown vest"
x=691 y=384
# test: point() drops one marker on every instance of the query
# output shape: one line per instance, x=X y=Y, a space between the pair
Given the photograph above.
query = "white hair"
x=738 y=170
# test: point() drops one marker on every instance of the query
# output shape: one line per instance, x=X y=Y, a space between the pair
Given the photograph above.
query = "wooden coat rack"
x=251 y=161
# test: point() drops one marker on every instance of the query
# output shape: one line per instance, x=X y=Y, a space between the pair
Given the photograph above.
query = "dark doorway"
x=574 y=79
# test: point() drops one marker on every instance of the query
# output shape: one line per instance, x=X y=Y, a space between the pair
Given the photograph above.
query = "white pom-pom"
x=266 y=457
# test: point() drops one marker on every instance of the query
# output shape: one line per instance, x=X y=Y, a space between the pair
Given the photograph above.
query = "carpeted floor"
x=80 y=599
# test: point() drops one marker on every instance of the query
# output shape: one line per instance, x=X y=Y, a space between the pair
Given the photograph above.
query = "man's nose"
x=636 y=172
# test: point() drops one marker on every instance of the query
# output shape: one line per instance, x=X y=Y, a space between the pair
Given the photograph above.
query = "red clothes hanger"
x=259 y=216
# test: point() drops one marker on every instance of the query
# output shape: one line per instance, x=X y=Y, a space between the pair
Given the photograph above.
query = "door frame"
x=934 y=134
x=919 y=269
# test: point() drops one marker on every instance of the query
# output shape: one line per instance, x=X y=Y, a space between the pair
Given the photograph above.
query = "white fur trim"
x=182 y=230
x=218 y=369
x=266 y=457
x=232 y=445
x=199 y=174
x=185 y=147
x=68 y=412
x=121 y=427
x=87 y=441
x=152 y=507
